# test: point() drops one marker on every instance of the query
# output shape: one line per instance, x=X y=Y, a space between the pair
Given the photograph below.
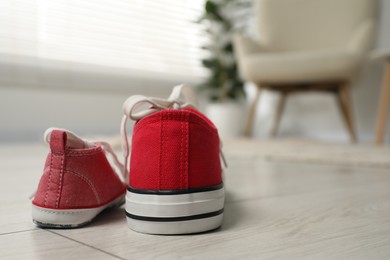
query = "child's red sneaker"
x=77 y=183
x=175 y=171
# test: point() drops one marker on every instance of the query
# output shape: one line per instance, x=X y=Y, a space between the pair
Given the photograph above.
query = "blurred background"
x=71 y=64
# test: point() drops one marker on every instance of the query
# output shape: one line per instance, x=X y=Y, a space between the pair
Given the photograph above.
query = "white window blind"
x=151 y=37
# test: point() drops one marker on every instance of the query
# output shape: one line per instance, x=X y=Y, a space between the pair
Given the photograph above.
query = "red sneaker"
x=175 y=171
x=77 y=183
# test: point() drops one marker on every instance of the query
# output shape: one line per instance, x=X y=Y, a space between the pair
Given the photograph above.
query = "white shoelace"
x=138 y=106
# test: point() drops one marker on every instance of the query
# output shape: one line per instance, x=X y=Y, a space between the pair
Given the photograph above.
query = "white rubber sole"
x=69 y=218
x=169 y=213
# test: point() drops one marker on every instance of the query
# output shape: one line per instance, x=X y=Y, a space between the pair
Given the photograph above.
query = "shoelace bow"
x=138 y=106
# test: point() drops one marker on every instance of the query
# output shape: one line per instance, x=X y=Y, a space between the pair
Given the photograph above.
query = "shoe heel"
x=174 y=212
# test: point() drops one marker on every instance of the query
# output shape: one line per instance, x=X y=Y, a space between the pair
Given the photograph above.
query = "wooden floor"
x=274 y=210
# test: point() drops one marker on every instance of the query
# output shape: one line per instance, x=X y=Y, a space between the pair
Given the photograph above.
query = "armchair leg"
x=345 y=103
x=383 y=105
x=252 y=113
x=279 y=112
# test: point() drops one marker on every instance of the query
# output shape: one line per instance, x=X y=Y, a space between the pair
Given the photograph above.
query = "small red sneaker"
x=175 y=171
x=77 y=183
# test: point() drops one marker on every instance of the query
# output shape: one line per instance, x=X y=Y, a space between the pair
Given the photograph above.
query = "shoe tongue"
x=72 y=140
x=75 y=142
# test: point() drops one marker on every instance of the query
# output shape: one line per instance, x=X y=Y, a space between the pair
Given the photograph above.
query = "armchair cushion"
x=300 y=66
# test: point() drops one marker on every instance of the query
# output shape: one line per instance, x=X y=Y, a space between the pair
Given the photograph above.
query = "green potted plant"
x=223 y=84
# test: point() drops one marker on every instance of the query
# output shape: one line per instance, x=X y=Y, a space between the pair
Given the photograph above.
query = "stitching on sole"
x=83 y=212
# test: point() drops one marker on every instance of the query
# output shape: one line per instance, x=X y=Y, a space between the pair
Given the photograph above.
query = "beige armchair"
x=307 y=45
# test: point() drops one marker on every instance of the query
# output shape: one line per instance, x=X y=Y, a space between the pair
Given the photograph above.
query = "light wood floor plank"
x=250 y=179
x=40 y=244
x=338 y=225
x=274 y=210
x=20 y=168
x=349 y=220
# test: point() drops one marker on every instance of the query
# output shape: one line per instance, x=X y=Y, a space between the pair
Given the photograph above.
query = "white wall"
x=86 y=102
x=25 y=113
x=26 y=110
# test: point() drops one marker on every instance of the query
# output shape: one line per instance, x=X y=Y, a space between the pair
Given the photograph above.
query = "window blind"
x=151 y=37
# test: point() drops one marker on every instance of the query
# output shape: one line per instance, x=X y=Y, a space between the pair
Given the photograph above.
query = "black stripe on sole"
x=175 y=192
x=173 y=219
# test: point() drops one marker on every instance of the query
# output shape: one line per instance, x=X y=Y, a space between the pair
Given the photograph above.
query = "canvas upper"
x=175 y=149
x=76 y=175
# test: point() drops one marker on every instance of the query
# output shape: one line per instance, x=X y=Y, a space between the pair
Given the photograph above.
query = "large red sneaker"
x=78 y=182
x=175 y=182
